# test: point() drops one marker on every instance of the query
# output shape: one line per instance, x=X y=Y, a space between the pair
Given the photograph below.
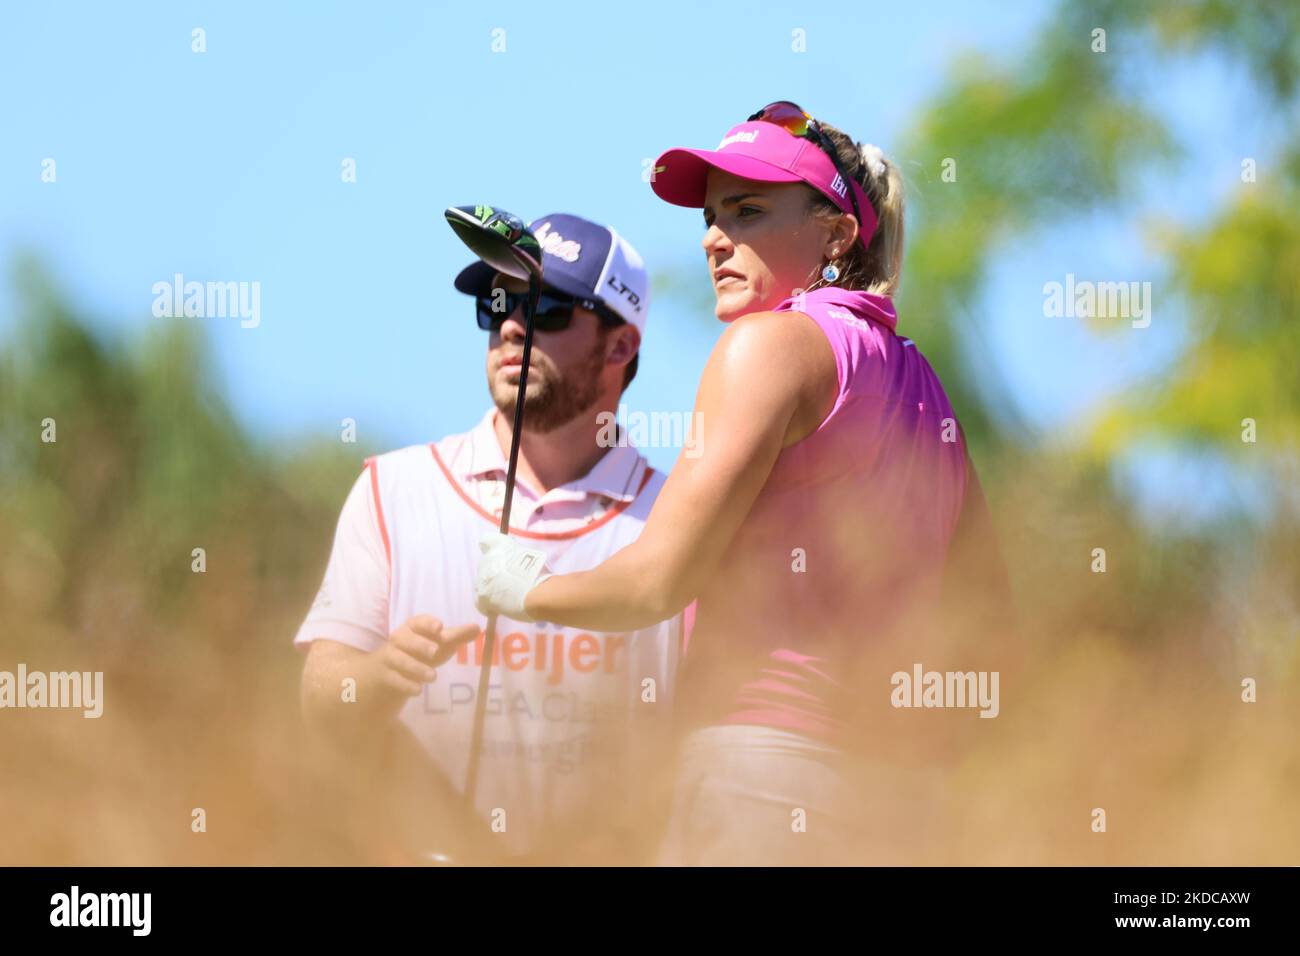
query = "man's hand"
x=385 y=678
x=366 y=757
x=412 y=656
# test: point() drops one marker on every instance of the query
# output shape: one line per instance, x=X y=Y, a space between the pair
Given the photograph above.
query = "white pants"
x=755 y=796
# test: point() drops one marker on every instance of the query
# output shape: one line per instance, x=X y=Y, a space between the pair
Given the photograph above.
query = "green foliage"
x=149 y=463
x=1236 y=277
x=1239 y=281
x=1031 y=142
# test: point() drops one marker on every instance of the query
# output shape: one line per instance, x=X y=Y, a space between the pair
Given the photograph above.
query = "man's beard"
x=550 y=404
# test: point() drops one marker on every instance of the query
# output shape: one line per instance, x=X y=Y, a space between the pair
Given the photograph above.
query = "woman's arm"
x=770 y=381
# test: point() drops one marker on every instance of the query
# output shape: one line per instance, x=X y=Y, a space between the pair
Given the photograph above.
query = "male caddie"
x=576 y=721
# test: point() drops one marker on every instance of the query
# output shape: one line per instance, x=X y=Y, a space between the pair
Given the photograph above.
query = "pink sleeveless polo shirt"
x=851 y=528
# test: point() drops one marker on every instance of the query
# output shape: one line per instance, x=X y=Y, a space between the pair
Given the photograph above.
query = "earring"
x=831 y=272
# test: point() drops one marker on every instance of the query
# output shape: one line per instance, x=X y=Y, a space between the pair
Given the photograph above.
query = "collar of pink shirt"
x=476 y=460
x=879 y=308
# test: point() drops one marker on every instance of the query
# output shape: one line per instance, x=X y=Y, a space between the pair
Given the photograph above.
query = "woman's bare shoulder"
x=774 y=334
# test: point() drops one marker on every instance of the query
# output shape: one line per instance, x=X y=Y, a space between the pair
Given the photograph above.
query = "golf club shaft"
x=490 y=633
x=534 y=293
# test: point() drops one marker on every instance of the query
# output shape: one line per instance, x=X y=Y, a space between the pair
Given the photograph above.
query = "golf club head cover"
x=507 y=571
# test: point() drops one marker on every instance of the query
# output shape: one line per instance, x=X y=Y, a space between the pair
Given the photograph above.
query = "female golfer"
x=815 y=518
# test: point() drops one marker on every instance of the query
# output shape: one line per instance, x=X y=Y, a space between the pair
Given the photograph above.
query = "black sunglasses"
x=795 y=120
x=554 y=310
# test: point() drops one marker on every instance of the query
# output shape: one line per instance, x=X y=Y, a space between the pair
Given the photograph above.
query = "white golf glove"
x=507 y=571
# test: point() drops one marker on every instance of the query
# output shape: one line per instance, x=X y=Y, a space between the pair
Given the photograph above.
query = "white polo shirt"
x=569 y=713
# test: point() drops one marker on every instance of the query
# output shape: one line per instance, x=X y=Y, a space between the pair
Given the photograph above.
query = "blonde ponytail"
x=878 y=269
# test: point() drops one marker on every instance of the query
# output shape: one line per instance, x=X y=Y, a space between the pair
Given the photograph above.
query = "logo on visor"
x=738 y=138
x=838 y=185
x=556 y=245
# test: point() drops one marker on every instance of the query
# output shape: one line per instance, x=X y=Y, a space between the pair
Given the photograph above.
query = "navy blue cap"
x=582 y=259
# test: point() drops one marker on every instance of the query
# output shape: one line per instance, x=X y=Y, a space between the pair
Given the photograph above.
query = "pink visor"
x=764 y=152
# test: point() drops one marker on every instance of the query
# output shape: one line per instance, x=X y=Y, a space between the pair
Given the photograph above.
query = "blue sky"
x=226 y=166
